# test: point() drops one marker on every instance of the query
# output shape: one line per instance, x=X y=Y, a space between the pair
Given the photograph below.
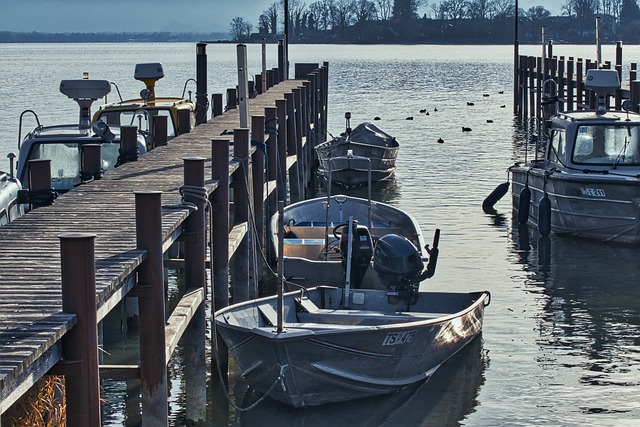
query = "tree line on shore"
x=380 y=21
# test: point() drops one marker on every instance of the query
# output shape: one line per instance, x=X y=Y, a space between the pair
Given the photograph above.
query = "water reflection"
x=445 y=400
x=386 y=191
x=589 y=309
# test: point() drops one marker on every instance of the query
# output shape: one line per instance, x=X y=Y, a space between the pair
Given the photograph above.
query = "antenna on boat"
x=85 y=92
x=347 y=117
x=149 y=74
x=603 y=83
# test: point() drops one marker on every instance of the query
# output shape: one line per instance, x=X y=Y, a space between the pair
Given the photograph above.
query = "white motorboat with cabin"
x=76 y=153
x=588 y=183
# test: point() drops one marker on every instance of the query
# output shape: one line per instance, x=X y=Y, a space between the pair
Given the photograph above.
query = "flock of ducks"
x=464 y=128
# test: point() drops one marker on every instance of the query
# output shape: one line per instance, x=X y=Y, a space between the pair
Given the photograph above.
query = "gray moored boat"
x=367 y=141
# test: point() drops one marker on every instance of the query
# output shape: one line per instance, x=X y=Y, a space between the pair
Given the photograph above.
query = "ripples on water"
x=561 y=341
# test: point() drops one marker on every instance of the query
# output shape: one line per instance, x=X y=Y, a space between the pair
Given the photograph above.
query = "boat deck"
x=31 y=318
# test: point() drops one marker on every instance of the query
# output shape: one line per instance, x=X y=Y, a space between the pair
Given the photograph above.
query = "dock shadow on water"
x=446 y=399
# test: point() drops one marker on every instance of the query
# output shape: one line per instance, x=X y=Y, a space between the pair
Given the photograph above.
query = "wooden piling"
x=184 y=121
x=281 y=105
x=91 y=161
x=258 y=162
x=216 y=104
x=292 y=149
x=160 y=131
x=202 y=98
x=80 y=345
x=153 y=363
x=272 y=176
x=220 y=239
x=128 y=144
x=195 y=277
x=241 y=194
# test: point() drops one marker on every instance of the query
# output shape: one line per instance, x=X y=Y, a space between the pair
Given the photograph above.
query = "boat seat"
x=308 y=312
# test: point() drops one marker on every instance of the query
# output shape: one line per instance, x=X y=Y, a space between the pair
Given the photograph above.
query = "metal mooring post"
x=153 y=363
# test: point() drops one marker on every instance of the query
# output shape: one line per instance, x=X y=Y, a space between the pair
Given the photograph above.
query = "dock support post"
x=202 y=98
x=258 y=170
x=153 y=363
x=40 y=181
x=220 y=255
x=302 y=157
x=184 y=121
x=281 y=105
x=128 y=151
x=241 y=212
x=80 y=344
x=243 y=83
x=216 y=104
x=292 y=149
x=271 y=127
x=160 y=127
x=195 y=278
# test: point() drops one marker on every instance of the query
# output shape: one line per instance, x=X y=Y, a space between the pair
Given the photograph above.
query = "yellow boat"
x=180 y=112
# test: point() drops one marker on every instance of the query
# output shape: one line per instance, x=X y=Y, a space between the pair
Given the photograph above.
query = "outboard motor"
x=361 y=250
x=400 y=267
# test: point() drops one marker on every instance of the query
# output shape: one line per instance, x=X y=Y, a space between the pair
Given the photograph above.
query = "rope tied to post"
x=41 y=198
x=125 y=156
x=192 y=194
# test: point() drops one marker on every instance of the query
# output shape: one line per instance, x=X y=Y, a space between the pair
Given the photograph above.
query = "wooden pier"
x=552 y=79
x=65 y=267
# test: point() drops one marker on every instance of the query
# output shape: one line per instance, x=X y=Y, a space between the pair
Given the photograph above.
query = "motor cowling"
x=399 y=265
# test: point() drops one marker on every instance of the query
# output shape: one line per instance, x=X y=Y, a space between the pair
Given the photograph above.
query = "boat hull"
x=353 y=172
x=377 y=151
x=340 y=355
x=602 y=206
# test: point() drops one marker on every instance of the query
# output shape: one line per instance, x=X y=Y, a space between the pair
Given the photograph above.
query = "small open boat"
x=365 y=141
x=312 y=242
x=588 y=183
x=370 y=332
x=336 y=343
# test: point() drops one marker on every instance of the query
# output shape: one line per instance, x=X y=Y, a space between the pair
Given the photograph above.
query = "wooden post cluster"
x=275 y=151
x=535 y=73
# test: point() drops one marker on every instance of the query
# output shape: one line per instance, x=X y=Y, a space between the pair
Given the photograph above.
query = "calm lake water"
x=561 y=340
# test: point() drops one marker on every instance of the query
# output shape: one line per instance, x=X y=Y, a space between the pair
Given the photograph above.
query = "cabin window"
x=66 y=161
x=557 y=148
x=607 y=145
x=141 y=119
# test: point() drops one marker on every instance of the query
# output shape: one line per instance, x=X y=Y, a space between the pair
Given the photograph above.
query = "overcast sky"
x=148 y=15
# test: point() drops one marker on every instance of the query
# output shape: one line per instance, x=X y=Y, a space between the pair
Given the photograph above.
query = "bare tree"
x=322 y=11
x=384 y=9
x=504 y=9
x=453 y=9
x=270 y=18
x=239 y=29
x=405 y=9
x=365 y=10
x=343 y=13
x=479 y=9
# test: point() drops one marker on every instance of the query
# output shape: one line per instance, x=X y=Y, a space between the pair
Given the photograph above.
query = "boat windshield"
x=66 y=161
x=140 y=118
x=607 y=145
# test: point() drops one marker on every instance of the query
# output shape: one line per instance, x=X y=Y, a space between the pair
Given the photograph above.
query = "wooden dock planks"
x=31 y=321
